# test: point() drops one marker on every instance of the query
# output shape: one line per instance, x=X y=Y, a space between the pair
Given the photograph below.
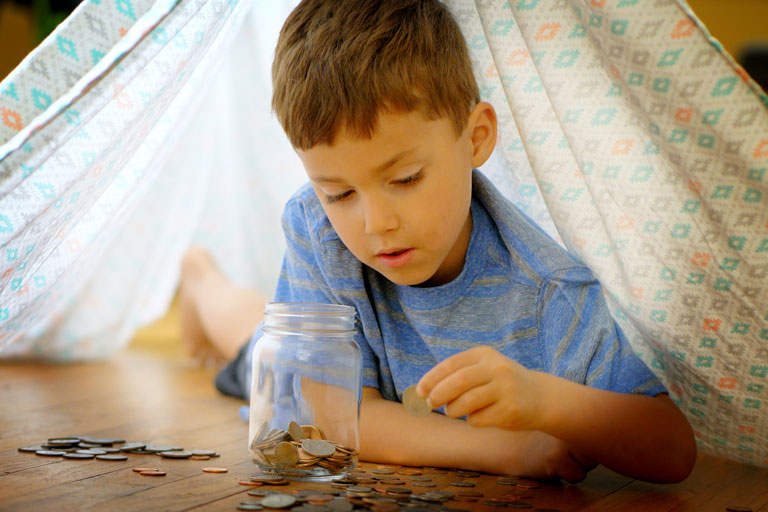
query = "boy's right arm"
x=389 y=434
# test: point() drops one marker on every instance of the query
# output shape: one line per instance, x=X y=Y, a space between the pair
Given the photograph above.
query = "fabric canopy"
x=626 y=132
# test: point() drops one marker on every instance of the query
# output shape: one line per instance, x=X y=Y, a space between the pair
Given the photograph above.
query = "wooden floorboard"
x=146 y=396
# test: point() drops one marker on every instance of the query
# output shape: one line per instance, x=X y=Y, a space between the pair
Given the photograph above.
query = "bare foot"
x=196 y=264
x=217 y=316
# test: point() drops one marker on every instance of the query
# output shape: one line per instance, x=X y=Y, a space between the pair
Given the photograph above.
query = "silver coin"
x=78 y=455
x=209 y=453
x=128 y=447
x=462 y=484
x=278 y=500
x=414 y=404
x=175 y=454
x=157 y=449
x=249 y=505
x=92 y=451
x=112 y=457
x=317 y=447
x=30 y=448
x=50 y=453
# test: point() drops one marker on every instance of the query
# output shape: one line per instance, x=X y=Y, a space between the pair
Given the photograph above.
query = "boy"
x=455 y=289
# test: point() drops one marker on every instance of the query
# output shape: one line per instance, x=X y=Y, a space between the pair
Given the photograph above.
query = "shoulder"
x=304 y=216
x=531 y=250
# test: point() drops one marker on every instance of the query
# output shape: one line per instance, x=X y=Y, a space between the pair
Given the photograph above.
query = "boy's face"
x=400 y=200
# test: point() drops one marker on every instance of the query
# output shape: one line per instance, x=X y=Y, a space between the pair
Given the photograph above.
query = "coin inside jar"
x=286 y=454
x=317 y=447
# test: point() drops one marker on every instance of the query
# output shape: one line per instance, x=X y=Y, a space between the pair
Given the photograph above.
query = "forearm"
x=635 y=435
x=389 y=434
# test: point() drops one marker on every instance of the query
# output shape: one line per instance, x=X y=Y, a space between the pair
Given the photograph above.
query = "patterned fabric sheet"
x=648 y=147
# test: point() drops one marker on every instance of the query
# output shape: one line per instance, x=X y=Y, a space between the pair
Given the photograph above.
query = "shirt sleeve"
x=581 y=341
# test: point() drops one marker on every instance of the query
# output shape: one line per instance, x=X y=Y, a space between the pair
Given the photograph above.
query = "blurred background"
x=740 y=25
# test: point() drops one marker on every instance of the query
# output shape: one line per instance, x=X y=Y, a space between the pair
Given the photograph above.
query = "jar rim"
x=303 y=308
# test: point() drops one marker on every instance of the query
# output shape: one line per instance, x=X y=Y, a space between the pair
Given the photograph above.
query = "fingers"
x=444 y=369
x=471 y=403
x=460 y=387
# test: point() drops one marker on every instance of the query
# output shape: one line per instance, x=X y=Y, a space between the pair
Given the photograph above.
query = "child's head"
x=340 y=63
x=379 y=99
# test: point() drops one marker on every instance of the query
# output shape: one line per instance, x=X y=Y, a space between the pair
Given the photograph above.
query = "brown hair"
x=338 y=63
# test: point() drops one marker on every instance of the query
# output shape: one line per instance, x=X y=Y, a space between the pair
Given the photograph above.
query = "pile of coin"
x=85 y=447
x=383 y=490
x=302 y=449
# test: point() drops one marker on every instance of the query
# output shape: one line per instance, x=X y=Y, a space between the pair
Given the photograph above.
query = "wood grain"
x=143 y=396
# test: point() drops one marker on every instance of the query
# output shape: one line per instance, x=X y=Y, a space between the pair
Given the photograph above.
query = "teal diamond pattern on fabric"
x=669 y=58
x=502 y=27
x=603 y=116
x=619 y=27
x=5 y=227
x=724 y=86
x=566 y=58
x=636 y=78
x=41 y=100
x=712 y=116
x=125 y=7
x=67 y=47
x=706 y=141
x=47 y=190
x=756 y=174
x=752 y=195
x=641 y=174
x=661 y=84
x=96 y=55
x=527 y=5
x=678 y=136
x=578 y=31
x=10 y=90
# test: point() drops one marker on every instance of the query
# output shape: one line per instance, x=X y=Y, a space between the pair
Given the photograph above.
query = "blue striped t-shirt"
x=519 y=292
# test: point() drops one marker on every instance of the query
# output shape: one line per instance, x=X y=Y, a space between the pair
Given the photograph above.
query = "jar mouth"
x=310 y=318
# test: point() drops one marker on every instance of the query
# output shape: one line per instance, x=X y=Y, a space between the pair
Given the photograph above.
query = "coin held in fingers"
x=415 y=404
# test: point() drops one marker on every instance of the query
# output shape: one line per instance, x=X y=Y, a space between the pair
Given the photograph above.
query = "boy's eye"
x=410 y=180
x=337 y=197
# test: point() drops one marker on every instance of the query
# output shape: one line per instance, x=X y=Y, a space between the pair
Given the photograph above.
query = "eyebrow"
x=379 y=169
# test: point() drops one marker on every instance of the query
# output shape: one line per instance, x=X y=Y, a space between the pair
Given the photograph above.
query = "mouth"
x=395 y=257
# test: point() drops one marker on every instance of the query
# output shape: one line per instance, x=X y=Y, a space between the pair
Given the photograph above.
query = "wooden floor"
x=165 y=399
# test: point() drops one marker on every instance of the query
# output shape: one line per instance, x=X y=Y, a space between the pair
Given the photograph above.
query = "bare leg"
x=217 y=316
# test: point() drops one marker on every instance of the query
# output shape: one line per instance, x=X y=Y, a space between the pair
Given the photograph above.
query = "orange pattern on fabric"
x=11 y=118
x=684 y=28
x=547 y=31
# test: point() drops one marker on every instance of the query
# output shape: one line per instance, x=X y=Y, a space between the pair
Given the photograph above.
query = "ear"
x=482 y=132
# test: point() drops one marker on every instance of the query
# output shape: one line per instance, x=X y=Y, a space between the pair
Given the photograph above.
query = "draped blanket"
x=626 y=132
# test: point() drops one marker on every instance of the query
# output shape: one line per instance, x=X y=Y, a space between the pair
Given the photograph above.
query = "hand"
x=545 y=457
x=486 y=386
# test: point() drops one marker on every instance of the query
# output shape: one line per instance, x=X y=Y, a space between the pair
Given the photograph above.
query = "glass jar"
x=305 y=392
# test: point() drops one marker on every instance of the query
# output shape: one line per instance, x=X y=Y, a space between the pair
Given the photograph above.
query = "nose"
x=379 y=215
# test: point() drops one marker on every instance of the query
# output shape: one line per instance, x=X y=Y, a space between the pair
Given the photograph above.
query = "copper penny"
x=139 y=470
x=250 y=483
x=199 y=457
x=215 y=470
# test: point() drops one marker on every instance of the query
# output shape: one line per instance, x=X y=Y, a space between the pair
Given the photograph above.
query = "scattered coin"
x=112 y=457
x=414 y=404
x=215 y=470
x=92 y=451
x=152 y=472
x=203 y=453
x=140 y=469
x=519 y=504
x=50 y=453
x=199 y=457
x=30 y=448
x=175 y=454
x=249 y=505
x=278 y=500
x=82 y=456
x=472 y=494
x=462 y=484
x=250 y=483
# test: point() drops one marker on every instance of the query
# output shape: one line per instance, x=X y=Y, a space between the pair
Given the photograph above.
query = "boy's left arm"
x=636 y=435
